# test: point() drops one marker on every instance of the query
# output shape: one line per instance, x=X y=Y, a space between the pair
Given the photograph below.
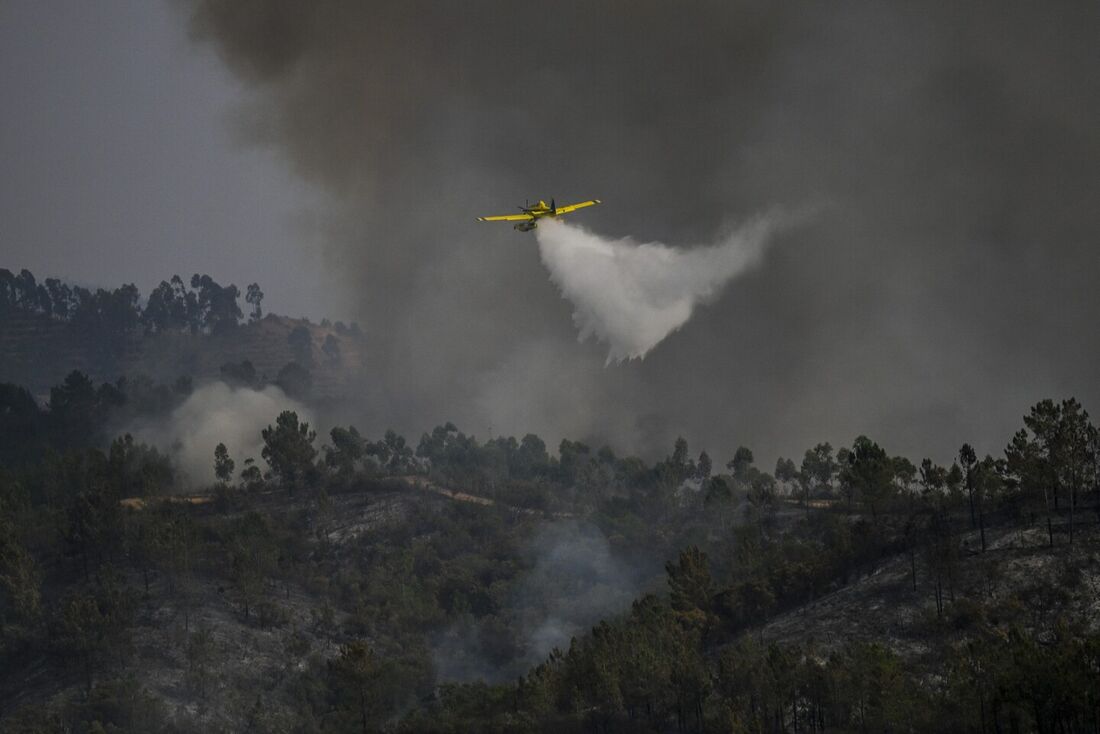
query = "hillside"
x=208 y=662
x=452 y=585
x=1019 y=579
x=242 y=654
x=38 y=351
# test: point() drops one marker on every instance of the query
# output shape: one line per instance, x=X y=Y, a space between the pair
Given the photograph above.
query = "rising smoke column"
x=631 y=296
x=217 y=413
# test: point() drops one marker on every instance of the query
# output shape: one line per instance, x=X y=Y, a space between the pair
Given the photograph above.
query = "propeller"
x=553 y=207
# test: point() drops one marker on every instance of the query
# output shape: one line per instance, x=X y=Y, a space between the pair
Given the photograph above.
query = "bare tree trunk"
x=970 y=493
x=1050 y=525
x=913 y=565
x=981 y=521
x=1072 y=504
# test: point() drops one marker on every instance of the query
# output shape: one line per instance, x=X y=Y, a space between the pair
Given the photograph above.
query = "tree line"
x=204 y=307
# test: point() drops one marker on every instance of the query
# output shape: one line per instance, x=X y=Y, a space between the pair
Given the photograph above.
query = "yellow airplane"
x=532 y=214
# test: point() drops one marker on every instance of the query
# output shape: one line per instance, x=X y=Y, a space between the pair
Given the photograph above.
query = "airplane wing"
x=507 y=218
x=575 y=207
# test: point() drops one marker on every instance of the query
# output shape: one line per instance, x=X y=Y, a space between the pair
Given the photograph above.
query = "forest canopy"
x=458 y=584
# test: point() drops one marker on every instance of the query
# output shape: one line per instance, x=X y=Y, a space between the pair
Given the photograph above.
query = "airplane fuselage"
x=531 y=215
x=537 y=212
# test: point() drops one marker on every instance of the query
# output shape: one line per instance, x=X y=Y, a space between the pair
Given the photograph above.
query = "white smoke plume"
x=217 y=413
x=631 y=296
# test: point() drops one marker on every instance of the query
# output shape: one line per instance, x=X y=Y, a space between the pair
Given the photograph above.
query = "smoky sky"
x=117 y=164
x=949 y=152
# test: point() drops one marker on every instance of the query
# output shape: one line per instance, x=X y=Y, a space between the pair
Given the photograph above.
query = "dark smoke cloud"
x=951 y=150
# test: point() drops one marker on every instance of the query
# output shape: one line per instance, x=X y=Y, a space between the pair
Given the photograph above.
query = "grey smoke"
x=575 y=581
x=633 y=295
x=950 y=284
x=217 y=413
